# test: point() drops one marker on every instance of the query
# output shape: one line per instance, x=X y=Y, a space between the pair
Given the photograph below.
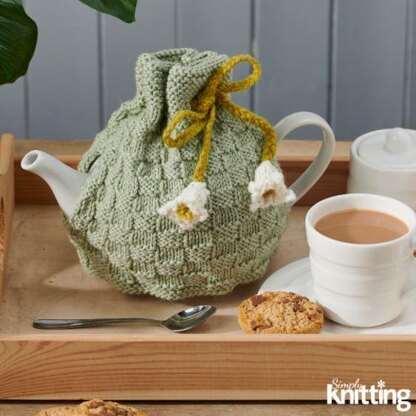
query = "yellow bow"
x=202 y=115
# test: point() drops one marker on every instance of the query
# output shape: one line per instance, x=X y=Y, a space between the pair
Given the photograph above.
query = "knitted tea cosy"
x=179 y=202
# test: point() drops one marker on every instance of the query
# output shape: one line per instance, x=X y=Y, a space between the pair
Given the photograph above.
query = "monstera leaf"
x=123 y=9
x=18 y=36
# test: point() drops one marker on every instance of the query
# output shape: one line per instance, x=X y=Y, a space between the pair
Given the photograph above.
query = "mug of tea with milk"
x=361 y=255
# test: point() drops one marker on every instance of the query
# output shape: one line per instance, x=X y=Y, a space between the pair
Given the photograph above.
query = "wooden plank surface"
x=122 y=43
x=369 y=50
x=292 y=43
x=410 y=86
x=217 y=25
x=355 y=58
x=63 y=93
x=214 y=362
x=12 y=109
x=294 y=157
x=229 y=409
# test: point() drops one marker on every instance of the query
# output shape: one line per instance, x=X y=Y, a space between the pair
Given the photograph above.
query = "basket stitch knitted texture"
x=116 y=228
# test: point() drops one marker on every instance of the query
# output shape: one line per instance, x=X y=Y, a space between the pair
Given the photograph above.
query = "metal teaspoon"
x=180 y=322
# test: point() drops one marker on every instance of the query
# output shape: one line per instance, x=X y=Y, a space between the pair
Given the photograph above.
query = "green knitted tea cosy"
x=143 y=223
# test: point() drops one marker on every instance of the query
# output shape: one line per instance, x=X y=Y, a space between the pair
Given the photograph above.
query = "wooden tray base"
x=214 y=362
x=45 y=279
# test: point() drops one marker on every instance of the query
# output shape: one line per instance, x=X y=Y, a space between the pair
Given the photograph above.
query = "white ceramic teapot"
x=163 y=210
x=66 y=183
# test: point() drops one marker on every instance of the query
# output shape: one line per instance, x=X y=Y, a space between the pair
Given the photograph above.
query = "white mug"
x=360 y=285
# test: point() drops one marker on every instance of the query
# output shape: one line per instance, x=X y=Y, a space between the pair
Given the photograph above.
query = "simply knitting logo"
x=339 y=392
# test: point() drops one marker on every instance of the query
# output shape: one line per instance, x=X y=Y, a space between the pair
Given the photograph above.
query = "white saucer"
x=296 y=277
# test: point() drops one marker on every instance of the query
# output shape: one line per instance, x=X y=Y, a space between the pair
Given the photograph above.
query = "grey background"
x=352 y=61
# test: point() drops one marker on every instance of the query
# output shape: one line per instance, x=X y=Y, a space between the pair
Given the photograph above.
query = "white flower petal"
x=188 y=208
x=268 y=187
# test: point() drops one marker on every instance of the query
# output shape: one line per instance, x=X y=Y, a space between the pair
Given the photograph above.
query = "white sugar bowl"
x=384 y=162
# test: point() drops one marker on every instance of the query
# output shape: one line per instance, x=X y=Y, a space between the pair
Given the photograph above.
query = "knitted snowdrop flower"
x=268 y=187
x=188 y=208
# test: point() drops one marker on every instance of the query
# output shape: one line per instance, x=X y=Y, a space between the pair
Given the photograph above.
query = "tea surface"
x=360 y=226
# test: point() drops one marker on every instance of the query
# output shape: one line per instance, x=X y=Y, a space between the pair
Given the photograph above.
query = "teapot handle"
x=321 y=162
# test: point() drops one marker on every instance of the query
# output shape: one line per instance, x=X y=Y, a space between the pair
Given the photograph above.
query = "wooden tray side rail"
x=6 y=199
x=294 y=157
x=200 y=367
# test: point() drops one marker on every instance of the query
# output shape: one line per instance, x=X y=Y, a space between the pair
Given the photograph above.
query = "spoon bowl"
x=189 y=318
x=179 y=322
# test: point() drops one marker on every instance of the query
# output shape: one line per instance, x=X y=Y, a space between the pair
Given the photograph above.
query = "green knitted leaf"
x=18 y=37
x=123 y=9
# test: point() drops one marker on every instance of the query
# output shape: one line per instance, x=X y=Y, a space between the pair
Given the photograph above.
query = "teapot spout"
x=65 y=182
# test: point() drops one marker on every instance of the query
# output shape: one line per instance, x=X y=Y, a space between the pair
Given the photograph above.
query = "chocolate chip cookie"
x=95 y=407
x=280 y=313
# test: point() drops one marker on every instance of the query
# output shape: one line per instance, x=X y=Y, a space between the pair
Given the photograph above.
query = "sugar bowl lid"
x=393 y=149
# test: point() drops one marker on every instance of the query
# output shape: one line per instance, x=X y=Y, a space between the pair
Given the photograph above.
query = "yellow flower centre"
x=269 y=195
x=184 y=212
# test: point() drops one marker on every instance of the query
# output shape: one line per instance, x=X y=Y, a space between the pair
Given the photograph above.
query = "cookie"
x=280 y=313
x=58 y=411
x=95 y=407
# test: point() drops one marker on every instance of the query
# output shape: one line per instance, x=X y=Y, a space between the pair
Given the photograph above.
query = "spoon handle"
x=86 y=323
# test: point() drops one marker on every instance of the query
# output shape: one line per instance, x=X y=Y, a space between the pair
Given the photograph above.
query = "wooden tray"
x=215 y=362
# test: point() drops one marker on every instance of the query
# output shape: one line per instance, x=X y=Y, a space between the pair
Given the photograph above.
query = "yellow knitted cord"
x=203 y=113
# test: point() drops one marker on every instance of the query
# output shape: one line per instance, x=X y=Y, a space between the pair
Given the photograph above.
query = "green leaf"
x=18 y=37
x=123 y=9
